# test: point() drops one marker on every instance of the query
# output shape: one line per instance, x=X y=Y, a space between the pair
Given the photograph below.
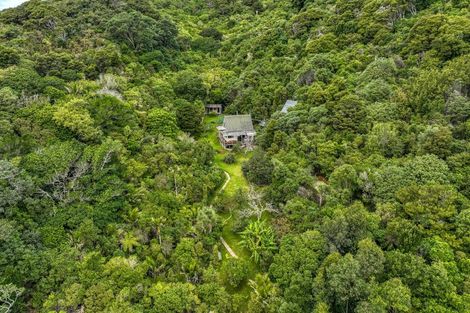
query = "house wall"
x=229 y=139
x=214 y=109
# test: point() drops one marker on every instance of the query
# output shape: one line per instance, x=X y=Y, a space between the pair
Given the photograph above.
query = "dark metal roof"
x=234 y=123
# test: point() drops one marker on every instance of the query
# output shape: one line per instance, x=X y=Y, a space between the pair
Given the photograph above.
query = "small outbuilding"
x=237 y=129
x=214 y=109
x=289 y=104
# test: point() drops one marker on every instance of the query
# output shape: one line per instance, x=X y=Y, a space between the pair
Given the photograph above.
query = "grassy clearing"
x=237 y=182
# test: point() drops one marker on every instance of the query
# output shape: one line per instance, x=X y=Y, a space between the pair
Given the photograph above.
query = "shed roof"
x=234 y=123
x=288 y=104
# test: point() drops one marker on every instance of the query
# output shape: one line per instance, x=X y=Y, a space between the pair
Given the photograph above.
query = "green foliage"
x=189 y=116
x=20 y=79
x=110 y=187
x=173 y=297
x=294 y=266
x=74 y=116
x=344 y=282
x=161 y=122
x=347 y=114
x=189 y=86
x=258 y=169
x=384 y=139
x=230 y=158
x=233 y=272
x=8 y=57
x=347 y=226
x=258 y=238
x=8 y=296
x=140 y=32
x=111 y=114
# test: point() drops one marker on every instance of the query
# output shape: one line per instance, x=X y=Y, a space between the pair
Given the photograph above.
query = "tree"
x=230 y=158
x=21 y=79
x=371 y=259
x=15 y=186
x=295 y=265
x=420 y=170
x=233 y=272
x=439 y=33
x=211 y=32
x=8 y=57
x=173 y=297
x=431 y=207
x=215 y=297
x=74 y=116
x=256 y=206
x=344 y=182
x=142 y=33
x=348 y=226
x=264 y=296
x=344 y=283
x=129 y=242
x=189 y=116
x=347 y=114
x=184 y=258
x=161 y=122
x=390 y=296
x=258 y=169
x=435 y=140
x=8 y=296
x=299 y=4
x=111 y=113
x=189 y=85
x=51 y=165
x=385 y=139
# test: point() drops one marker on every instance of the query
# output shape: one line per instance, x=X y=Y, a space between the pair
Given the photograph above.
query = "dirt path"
x=230 y=251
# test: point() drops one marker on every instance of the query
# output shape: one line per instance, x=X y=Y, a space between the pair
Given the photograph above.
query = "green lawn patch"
x=237 y=182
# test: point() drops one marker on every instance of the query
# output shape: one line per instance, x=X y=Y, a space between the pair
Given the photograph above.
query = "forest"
x=115 y=195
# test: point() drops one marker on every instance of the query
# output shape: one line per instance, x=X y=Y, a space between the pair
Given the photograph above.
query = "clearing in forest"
x=234 y=182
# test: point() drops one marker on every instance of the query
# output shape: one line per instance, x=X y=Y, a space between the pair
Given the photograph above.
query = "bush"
x=258 y=169
x=229 y=158
x=234 y=272
x=8 y=57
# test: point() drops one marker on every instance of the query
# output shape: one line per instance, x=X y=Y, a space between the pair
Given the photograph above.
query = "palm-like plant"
x=129 y=242
x=258 y=238
x=158 y=223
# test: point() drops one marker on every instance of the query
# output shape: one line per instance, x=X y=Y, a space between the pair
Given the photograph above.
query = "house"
x=214 y=109
x=288 y=104
x=236 y=129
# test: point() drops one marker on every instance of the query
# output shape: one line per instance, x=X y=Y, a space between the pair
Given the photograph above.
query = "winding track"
x=227 y=181
x=229 y=249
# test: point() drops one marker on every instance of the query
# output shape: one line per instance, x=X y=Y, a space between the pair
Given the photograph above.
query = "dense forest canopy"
x=114 y=193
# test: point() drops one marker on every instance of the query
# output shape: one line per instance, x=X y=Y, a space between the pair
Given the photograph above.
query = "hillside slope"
x=358 y=198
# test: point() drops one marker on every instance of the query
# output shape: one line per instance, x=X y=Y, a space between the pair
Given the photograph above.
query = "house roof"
x=288 y=104
x=234 y=123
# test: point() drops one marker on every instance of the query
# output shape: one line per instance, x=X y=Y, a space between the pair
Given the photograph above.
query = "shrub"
x=230 y=158
x=234 y=272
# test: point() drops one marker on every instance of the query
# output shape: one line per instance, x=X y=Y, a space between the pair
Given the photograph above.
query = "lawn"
x=237 y=181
